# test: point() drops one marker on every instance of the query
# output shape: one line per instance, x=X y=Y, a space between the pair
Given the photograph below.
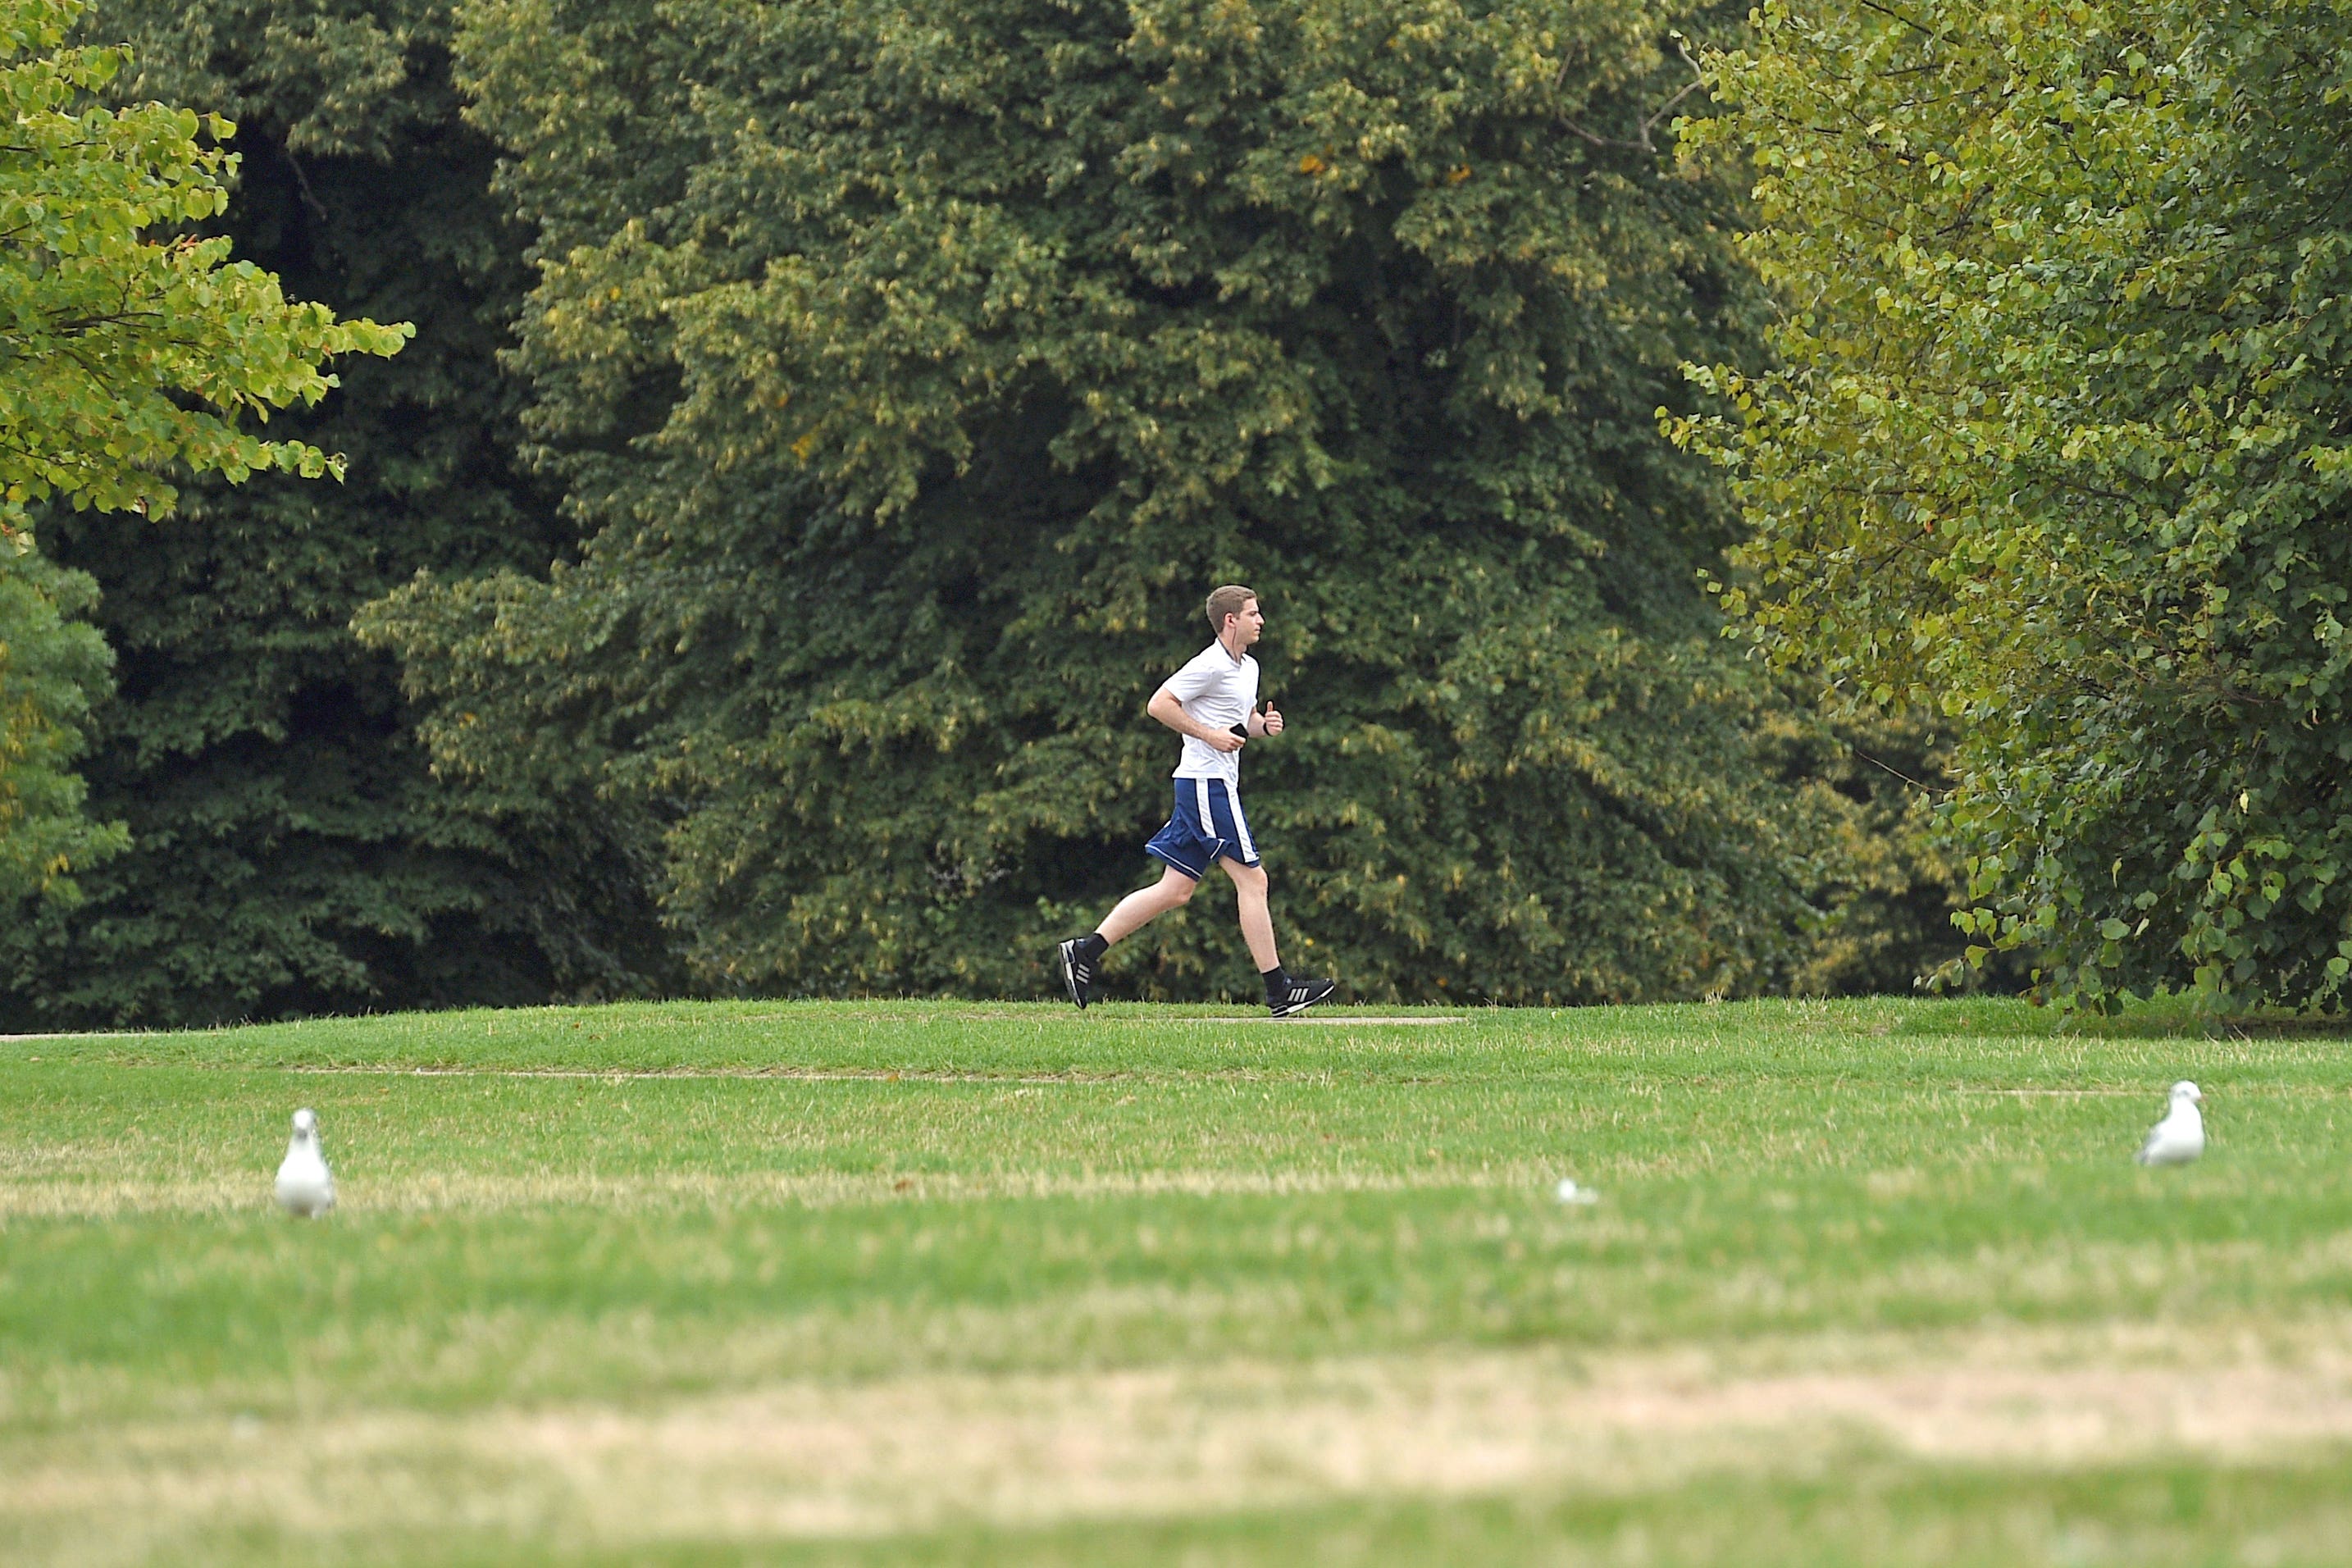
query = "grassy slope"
x=915 y=1192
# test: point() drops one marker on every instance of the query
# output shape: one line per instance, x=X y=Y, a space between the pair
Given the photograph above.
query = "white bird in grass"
x=305 y=1185
x=2180 y=1136
x=1568 y=1191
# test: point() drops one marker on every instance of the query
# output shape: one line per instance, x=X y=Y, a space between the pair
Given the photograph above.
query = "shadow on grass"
x=2173 y=1017
x=2161 y=1017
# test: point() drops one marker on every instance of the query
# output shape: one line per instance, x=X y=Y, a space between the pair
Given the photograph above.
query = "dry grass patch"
x=803 y=1460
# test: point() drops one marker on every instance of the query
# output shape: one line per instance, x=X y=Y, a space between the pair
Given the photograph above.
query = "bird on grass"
x=305 y=1185
x=2180 y=1136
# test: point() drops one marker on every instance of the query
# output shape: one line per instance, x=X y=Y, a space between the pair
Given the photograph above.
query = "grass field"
x=1869 y=1282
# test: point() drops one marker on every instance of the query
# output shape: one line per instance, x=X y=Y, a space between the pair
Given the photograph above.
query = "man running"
x=1212 y=702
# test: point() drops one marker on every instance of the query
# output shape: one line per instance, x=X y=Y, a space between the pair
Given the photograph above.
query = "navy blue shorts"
x=1207 y=828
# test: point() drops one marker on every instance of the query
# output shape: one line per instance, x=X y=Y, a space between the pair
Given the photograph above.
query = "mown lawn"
x=1869 y=1282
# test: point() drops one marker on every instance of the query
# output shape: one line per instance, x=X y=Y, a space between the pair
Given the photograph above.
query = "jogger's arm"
x=1165 y=707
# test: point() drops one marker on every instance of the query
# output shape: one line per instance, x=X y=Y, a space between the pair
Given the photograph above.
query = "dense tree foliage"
x=52 y=668
x=2059 y=444
x=127 y=349
x=915 y=368
x=126 y=354
x=291 y=850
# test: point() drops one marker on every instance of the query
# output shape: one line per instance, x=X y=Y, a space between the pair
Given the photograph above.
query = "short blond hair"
x=1230 y=600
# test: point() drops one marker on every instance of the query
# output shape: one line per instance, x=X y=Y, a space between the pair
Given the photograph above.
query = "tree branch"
x=1641 y=141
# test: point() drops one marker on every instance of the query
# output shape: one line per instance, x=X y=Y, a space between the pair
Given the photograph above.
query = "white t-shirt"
x=1218 y=691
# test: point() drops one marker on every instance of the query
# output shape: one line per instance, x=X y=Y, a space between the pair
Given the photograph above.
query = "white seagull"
x=2180 y=1136
x=305 y=1185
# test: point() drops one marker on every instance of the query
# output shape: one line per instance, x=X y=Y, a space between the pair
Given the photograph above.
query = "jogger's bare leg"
x=1257 y=921
x=1140 y=908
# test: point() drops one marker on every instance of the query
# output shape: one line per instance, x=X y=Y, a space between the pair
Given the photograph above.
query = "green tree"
x=292 y=851
x=914 y=369
x=130 y=350
x=2059 y=445
x=52 y=668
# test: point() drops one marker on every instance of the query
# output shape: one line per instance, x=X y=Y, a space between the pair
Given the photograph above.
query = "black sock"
x=1091 y=946
x=1278 y=984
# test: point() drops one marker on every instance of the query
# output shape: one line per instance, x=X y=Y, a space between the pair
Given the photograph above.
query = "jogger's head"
x=1232 y=602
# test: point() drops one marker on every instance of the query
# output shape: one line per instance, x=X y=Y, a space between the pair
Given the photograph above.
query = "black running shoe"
x=1078 y=973
x=1299 y=995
